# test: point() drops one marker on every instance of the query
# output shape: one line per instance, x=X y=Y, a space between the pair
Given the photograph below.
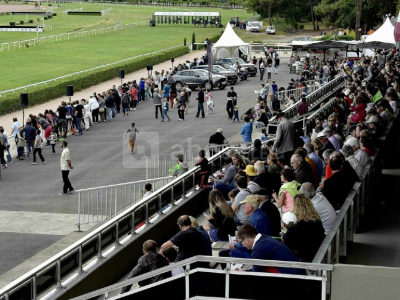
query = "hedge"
x=43 y=93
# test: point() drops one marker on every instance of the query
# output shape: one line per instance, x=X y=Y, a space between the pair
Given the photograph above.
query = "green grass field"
x=29 y=65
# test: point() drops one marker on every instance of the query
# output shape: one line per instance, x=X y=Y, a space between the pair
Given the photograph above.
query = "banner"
x=188 y=14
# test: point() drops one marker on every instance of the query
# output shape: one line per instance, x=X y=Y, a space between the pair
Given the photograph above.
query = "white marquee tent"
x=384 y=34
x=228 y=44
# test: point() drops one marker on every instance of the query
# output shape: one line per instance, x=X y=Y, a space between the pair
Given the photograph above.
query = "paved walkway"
x=100 y=158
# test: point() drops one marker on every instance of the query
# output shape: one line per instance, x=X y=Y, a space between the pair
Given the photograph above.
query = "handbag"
x=101 y=109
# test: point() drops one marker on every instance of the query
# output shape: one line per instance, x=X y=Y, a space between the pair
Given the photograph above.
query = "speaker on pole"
x=23 y=97
x=149 y=68
x=121 y=73
x=70 y=90
x=172 y=60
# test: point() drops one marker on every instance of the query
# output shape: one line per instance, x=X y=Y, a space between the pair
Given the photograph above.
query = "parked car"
x=251 y=68
x=270 y=30
x=231 y=77
x=195 y=78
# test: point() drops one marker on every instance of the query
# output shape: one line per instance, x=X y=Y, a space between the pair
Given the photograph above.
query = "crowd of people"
x=279 y=201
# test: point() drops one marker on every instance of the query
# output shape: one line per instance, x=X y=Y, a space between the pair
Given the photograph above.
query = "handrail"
x=213 y=259
x=87 y=70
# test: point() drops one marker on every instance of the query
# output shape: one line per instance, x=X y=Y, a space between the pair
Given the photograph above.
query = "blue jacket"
x=30 y=132
x=110 y=102
x=267 y=248
x=246 y=131
x=141 y=85
x=260 y=222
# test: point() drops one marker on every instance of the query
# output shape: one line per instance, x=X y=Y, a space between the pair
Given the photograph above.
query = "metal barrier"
x=104 y=202
x=84 y=71
x=323 y=269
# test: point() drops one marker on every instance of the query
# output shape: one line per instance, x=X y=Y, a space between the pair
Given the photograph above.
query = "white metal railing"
x=103 y=12
x=104 y=202
x=259 y=48
x=84 y=71
x=68 y=36
x=76 y=9
x=322 y=269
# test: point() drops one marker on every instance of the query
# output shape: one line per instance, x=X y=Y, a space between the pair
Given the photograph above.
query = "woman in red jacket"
x=358 y=112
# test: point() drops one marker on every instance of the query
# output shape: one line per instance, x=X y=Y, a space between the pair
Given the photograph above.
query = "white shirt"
x=258 y=236
x=93 y=104
x=65 y=155
x=147 y=193
x=362 y=157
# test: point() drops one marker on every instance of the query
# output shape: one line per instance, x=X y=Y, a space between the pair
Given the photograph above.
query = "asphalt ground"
x=32 y=210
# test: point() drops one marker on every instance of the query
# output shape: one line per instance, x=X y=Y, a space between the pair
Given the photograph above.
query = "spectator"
x=338 y=186
x=148 y=262
x=303 y=107
x=257 y=218
x=288 y=190
x=221 y=222
x=334 y=141
x=374 y=128
x=358 y=110
x=217 y=139
x=317 y=160
x=275 y=104
x=148 y=188
x=302 y=169
x=183 y=167
x=251 y=174
x=285 y=138
x=30 y=134
x=14 y=127
x=258 y=153
x=227 y=181
x=327 y=145
x=240 y=216
x=325 y=210
x=326 y=155
x=247 y=130
x=37 y=148
x=359 y=154
x=204 y=234
x=203 y=162
x=273 y=168
x=157 y=100
x=306 y=236
x=170 y=255
x=266 y=248
x=270 y=210
x=189 y=240
x=349 y=156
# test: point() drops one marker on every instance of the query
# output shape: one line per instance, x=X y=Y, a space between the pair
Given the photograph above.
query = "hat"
x=327 y=131
x=250 y=171
x=322 y=134
x=252 y=199
x=289 y=218
x=28 y=119
x=91 y=96
x=373 y=119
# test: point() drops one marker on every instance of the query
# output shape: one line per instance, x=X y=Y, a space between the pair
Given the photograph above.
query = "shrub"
x=54 y=14
x=30 y=21
x=45 y=18
x=12 y=23
x=184 y=42
x=301 y=26
x=43 y=93
x=21 y=22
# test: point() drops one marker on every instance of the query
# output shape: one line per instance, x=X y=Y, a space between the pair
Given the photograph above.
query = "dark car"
x=232 y=77
x=250 y=67
x=195 y=78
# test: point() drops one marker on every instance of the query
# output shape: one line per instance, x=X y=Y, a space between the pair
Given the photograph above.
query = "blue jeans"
x=114 y=111
x=224 y=189
x=200 y=108
x=9 y=158
x=276 y=69
x=259 y=124
x=78 y=123
x=20 y=151
x=109 y=113
x=165 y=114
x=325 y=78
x=125 y=108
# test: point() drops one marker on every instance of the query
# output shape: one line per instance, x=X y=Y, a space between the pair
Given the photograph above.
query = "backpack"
x=125 y=98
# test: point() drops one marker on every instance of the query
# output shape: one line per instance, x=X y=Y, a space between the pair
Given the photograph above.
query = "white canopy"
x=228 y=44
x=384 y=34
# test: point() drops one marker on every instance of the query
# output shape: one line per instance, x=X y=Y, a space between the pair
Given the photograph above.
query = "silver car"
x=196 y=77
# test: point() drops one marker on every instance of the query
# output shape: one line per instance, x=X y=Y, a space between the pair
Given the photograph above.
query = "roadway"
x=36 y=222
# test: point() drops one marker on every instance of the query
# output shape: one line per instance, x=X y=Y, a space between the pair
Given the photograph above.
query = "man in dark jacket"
x=302 y=169
x=217 y=139
x=200 y=105
x=150 y=261
x=30 y=134
x=274 y=103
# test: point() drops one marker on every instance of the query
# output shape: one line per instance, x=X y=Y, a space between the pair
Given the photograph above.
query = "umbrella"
x=376 y=45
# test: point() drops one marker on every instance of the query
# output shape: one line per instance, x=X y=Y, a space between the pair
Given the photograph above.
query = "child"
x=53 y=140
x=132 y=136
x=264 y=137
x=38 y=148
x=165 y=110
x=236 y=113
x=210 y=102
x=21 y=143
x=269 y=70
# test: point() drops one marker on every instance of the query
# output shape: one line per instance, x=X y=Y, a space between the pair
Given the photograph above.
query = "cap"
x=373 y=119
x=322 y=134
x=289 y=218
x=250 y=171
x=252 y=199
x=327 y=131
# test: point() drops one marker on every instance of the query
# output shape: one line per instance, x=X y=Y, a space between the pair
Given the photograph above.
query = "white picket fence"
x=68 y=36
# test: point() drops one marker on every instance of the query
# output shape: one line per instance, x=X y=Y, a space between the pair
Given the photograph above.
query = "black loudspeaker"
x=23 y=99
x=70 y=90
x=172 y=59
x=121 y=74
x=149 y=68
